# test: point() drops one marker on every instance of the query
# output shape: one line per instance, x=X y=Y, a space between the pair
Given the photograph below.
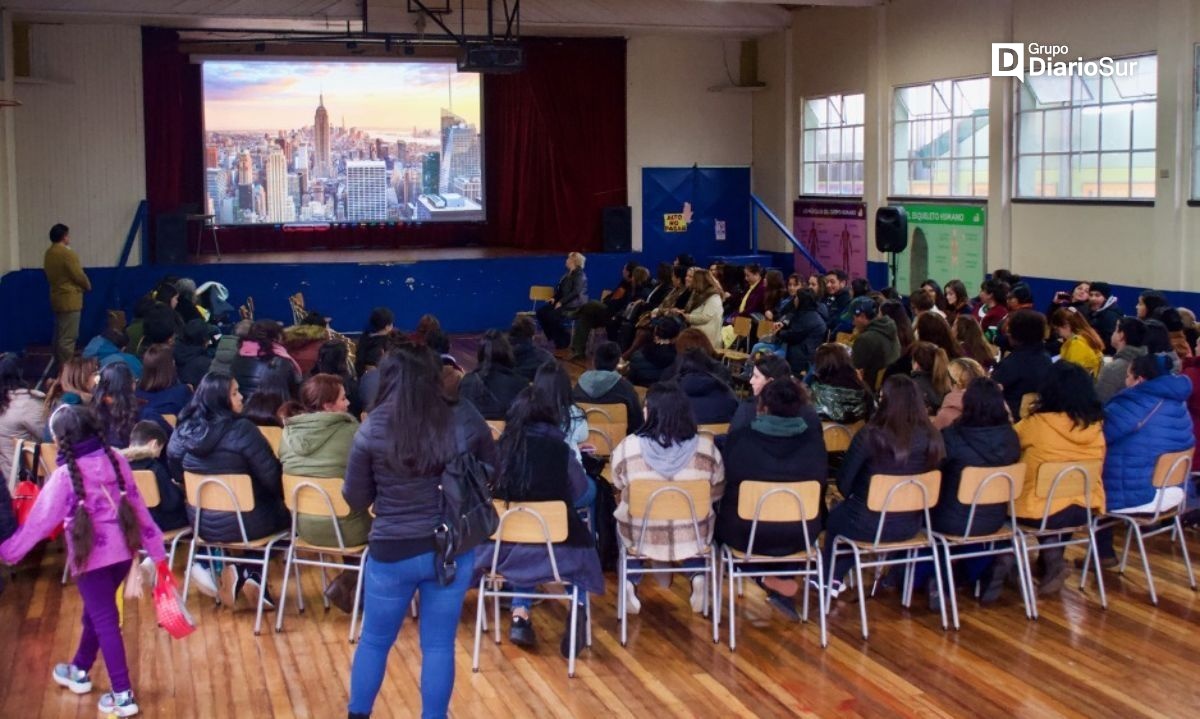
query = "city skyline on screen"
x=341 y=142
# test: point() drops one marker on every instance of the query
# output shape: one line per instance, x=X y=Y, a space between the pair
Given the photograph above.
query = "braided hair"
x=71 y=425
x=116 y=402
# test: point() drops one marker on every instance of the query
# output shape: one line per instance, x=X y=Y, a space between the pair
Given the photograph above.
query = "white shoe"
x=118 y=704
x=149 y=571
x=203 y=579
x=72 y=678
x=698 y=593
x=633 y=605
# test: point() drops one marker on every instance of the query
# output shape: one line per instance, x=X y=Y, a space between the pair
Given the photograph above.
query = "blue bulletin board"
x=718 y=199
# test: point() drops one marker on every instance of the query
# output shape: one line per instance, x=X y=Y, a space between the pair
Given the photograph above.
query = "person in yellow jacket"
x=1081 y=344
x=68 y=282
x=1066 y=426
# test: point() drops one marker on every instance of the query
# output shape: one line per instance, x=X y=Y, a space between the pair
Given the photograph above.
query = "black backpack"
x=468 y=516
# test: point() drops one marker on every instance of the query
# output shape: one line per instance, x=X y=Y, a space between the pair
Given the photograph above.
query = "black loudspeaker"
x=617 y=228
x=170 y=239
x=891 y=229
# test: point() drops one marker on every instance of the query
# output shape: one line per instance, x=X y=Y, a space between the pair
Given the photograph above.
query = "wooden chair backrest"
x=669 y=505
x=214 y=498
x=1074 y=483
x=520 y=523
x=715 y=430
x=171 y=419
x=907 y=498
x=147 y=486
x=541 y=293
x=837 y=436
x=1027 y=401
x=50 y=456
x=844 y=338
x=497 y=427
x=274 y=436
x=309 y=500
x=613 y=419
x=994 y=491
x=1172 y=469
x=779 y=507
x=742 y=326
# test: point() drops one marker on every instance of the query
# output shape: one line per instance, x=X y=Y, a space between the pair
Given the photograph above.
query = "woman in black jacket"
x=212 y=438
x=494 y=384
x=569 y=296
x=899 y=440
x=260 y=352
x=802 y=329
x=766 y=367
x=396 y=464
x=783 y=443
x=712 y=401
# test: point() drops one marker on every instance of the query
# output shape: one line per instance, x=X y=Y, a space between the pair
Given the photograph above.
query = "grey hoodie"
x=597 y=383
x=672 y=459
x=1112 y=374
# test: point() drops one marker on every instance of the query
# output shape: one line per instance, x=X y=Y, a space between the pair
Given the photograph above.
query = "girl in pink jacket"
x=93 y=494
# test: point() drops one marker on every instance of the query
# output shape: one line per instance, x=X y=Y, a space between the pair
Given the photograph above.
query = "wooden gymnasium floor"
x=1077 y=660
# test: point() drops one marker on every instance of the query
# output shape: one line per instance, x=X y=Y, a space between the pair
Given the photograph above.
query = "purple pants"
x=101 y=626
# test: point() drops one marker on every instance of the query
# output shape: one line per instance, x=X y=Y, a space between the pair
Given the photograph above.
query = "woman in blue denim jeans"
x=396 y=464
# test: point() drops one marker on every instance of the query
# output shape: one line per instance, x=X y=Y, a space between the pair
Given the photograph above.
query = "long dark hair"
x=274 y=391
x=832 y=366
x=1068 y=389
x=669 y=418
x=494 y=350
x=983 y=404
x=934 y=329
x=898 y=420
x=115 y=401
x=266 y=333
x=72 y=425
x=552 y=379
x=904 y=329
x=533 y=405
x=10 y=379
x=158 y=369
x=210 y=401
x=419 y=421
x=332 y=359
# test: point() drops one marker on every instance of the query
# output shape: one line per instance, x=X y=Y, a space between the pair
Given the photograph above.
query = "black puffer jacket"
x=996 y=446
x=803 y=334
x=711 y=399
x=250 y=372
x=230 y=445
x=527 y=357
x=494 y=393
x=406 y=506
x=191 y=363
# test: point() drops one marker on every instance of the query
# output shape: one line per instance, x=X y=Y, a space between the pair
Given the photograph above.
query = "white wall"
x=872 y=50
x=772 y=175
x=80 y=140
x=673 y=118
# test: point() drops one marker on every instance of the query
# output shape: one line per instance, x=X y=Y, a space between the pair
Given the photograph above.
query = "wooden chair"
x=789 y=502
x=838 y=436
x=652 y=500
x=1171 y=470
x=715 y=430
x=147 y=486
x=538 y=293
x=497 y=427
x=888 y=494
x=537 y=523
x=319 y=497
x=981 y=487
x=610 y=419
x=227 y=493
x=743 y=327
x=844 y=338
x=1028 y=400
x=170 y=419
x=1064 y=481
x=273 y=435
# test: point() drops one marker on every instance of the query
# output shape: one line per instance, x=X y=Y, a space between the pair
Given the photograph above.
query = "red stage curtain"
x=554 y=151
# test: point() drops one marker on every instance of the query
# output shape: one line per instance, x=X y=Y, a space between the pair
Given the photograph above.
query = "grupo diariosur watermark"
x=1021 y=60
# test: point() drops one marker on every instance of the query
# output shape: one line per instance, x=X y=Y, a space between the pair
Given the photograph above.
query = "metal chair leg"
x=480 y=611
x=862 y=599
x=822 y=603
x=950 y=589
x=358 y=602
x=732 y=606
x=287 y=572
x=1137 y=532
x=1125 y=552
x=1096 y=562
x=573 y=631
x=1187 y=561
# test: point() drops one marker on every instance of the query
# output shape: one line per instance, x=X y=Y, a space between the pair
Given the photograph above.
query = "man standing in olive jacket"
x=67 y=285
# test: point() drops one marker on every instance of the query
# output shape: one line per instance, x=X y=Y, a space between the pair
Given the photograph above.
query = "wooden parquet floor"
x=1078 y=660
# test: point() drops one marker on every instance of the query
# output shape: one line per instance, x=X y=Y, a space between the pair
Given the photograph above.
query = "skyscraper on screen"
x=322 y=164
x=277 y=186
x=366 y=191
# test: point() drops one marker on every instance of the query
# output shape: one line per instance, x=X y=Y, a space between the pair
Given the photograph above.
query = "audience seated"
x=527 y=356
x=607 y=312
x=1149 y=302
x=272 y=403
x=304 y=341
x=75 y=384
x=782 y=443
x=109 y=346
x=1066 y=426
x=427 y=324
x=334 y=359
x=452 y=372
x=147 y=442
x=704 y=309
x=1142 y=422
x=766 y=368
x=649 y=363
x=993 y=303
x=838 y=392
x=493 y=386
x=838 y=302
x=1173 y=321
x=604 y=385
x=677 y=298
x=570 y=294
x=117 y=406
x=316 y=443
x=875 y=344
x=192 y=352
x=801 y=329
x=212 y=438
x=958 y=303
x=899 y=439
x=159 y=387
x=970 y=338
x=22 y=411
x=1128 y=343
x=1102 y=312
x=1080 y=343
x=961 y=372
x=667 y=448
x=187 y=306
x=260 y=352
x=931 y=328
x=1025 y=368
x=553 y=381
x=657 y=294
x=931 y=373
x=537 y=466
x=711 y=399
x=380 y=326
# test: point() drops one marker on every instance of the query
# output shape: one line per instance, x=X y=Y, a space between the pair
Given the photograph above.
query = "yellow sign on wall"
x=674 y=222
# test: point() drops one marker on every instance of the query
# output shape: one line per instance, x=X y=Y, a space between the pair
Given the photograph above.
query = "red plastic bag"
x=168 y=605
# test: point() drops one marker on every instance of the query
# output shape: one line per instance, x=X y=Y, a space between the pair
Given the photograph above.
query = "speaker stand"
x=894 y=264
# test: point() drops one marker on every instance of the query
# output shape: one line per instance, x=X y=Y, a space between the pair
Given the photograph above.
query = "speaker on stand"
x=617 y=228
x=891 y=233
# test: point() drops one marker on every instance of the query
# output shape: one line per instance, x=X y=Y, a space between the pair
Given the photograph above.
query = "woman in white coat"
x=704 y=309
x=22 y=412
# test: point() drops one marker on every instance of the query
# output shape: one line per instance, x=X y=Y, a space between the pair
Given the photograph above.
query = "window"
x=940 y=139
x=1088 y=137
x=832 y=138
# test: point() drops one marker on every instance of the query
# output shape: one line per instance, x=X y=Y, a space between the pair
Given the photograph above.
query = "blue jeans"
x=388 y=589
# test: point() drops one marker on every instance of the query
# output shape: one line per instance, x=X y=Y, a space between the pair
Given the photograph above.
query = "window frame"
x=857 y=158
x=892 y=161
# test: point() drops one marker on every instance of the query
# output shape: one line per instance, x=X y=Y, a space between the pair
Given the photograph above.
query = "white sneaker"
x=203 y=579
x=72 y=678
x=698 y=593
x=118 y=704
x=633 y=605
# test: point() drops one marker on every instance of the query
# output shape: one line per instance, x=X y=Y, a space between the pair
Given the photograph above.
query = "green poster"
x=945 y=242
